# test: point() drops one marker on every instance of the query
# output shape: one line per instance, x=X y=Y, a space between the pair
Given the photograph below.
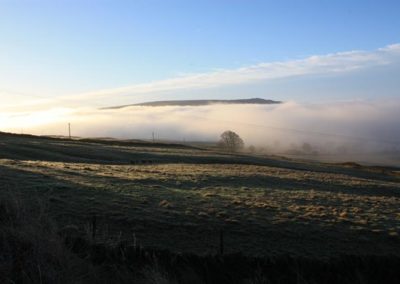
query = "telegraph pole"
x=69 y=130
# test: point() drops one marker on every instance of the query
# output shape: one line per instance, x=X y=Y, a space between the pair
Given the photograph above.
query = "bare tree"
x=231 y=141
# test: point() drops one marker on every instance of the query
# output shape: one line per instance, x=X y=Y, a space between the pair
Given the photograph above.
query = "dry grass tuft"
x=165 y=204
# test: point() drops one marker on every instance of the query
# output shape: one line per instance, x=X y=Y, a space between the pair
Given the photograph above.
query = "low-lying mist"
x=361 y=131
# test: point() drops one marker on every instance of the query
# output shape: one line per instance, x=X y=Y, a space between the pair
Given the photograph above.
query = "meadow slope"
x=180 y=198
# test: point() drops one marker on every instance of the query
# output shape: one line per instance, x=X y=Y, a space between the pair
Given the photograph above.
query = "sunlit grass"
x=230 y=196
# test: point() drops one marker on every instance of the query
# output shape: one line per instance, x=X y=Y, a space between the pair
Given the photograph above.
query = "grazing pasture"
x=181 y=198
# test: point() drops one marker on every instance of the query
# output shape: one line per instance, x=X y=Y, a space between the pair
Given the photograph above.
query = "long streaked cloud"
x=314 y=65
x=329 y=64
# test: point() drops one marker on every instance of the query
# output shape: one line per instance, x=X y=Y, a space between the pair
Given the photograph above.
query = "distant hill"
x=199 y=103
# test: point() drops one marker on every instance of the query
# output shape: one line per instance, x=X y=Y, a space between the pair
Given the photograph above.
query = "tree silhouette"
x=230 y=141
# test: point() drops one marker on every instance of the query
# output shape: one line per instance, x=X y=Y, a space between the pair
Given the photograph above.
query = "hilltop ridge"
x=198 y=103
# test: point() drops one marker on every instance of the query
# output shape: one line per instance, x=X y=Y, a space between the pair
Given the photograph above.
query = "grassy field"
x=180 y=198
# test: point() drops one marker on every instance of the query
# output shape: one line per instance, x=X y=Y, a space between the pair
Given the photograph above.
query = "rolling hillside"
x=175 y=197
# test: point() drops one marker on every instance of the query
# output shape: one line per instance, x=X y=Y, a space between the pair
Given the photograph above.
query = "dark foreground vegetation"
x=35 y=250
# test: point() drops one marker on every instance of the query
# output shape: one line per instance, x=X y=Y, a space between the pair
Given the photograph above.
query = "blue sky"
x=67 y=48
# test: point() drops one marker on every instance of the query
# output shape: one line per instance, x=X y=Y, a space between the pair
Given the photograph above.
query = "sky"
x=107 y=52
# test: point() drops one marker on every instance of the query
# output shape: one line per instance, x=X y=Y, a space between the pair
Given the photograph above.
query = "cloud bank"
x=361 y=128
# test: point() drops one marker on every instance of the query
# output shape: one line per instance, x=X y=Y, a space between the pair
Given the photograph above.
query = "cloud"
x=318 y=65
x=314 y=65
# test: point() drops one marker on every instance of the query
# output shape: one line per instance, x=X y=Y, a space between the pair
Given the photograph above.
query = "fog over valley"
x=335 y=131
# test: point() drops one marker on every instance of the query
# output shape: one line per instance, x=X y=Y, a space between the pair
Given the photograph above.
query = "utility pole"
x=152 y=134
x=69 y=130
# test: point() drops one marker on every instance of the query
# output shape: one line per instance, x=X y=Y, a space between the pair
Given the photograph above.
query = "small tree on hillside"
x=230 y=141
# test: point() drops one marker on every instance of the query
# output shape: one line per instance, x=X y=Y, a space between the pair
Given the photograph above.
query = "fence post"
x=94 y=224
x=221 y=242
